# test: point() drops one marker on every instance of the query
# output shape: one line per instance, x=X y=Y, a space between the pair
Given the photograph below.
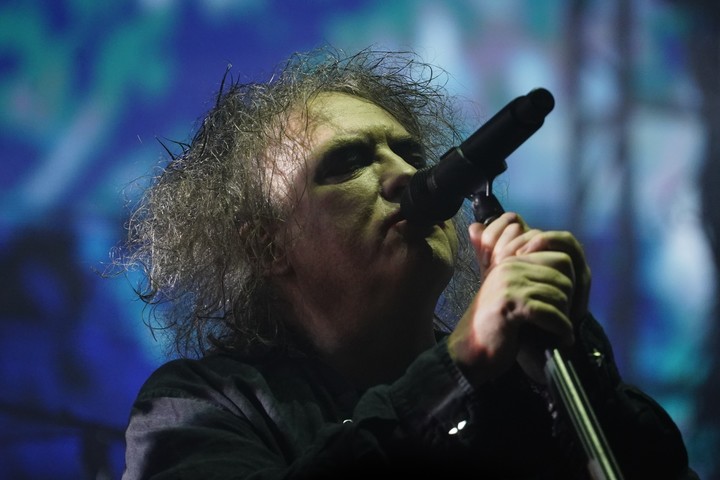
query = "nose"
x=395 y=177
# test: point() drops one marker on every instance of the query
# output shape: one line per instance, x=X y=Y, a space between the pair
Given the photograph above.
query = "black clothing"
x=290 y=416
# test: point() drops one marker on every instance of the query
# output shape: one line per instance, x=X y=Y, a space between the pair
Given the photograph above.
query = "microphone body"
x=436 y=193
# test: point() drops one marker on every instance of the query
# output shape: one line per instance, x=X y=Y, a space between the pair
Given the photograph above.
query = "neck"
x=380 y=358
x=380 y=348
x=370 y=337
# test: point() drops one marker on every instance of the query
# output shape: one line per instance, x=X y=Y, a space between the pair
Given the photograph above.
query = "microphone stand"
x=565 y=387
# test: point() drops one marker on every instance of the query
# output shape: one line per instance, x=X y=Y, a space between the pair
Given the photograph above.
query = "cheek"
x=332 y=217
x=347 y=207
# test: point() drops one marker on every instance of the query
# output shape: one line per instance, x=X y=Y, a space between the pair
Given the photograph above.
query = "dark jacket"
x=290 y=416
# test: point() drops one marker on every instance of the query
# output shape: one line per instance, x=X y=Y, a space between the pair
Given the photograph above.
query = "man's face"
x=349 y=252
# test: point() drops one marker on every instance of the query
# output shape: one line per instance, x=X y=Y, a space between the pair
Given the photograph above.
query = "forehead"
x=332 y=113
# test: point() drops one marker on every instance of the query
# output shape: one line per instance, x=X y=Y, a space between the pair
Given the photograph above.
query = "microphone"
x=436 y=193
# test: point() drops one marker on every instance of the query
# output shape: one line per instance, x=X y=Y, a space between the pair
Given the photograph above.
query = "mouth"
x=398 y=222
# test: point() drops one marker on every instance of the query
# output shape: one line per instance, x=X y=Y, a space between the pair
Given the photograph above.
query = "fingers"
x=510 y=236
x=535 y=283
x=523 y=302
x=566 y=243
x=537 y=293
x=554 y=240
x=489 y=240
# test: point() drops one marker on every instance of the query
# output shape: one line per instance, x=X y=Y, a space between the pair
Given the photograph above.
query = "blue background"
x=626 y=161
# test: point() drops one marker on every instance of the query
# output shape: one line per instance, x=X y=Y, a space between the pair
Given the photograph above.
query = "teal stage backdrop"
x=628 y=161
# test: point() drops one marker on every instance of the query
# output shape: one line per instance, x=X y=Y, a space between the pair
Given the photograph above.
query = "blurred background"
x=628 y=161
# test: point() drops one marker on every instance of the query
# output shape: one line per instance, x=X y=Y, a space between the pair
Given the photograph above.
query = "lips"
x=393 y=219
x=397 y=221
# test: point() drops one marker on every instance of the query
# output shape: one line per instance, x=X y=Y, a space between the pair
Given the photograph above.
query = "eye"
x=411 y=151
x=343 y=163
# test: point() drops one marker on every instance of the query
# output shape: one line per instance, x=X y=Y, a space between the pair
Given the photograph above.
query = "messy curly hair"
x=200 y=231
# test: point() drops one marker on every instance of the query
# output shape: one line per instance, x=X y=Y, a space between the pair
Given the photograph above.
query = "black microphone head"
x=422 y=204
x=435 y=194
x=535 y=106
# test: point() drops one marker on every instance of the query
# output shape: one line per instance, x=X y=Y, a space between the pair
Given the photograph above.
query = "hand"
x=534 y=285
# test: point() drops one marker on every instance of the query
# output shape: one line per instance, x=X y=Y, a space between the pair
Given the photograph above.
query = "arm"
x=535 y=294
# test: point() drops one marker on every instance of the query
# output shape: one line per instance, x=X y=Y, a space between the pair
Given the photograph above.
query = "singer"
x=325 y=335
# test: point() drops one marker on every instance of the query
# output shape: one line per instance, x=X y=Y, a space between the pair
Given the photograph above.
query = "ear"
x=264 y=249
x=274 y=257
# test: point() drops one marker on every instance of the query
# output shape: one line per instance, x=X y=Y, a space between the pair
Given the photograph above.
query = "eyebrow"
x=342 y=141
x=406 y=142
x=360 y=138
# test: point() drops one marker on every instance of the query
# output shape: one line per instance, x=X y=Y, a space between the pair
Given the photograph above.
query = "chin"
x=432 y=250
x=443 y=245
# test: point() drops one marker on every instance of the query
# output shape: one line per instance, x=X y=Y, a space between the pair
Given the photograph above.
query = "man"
x=276 y=242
